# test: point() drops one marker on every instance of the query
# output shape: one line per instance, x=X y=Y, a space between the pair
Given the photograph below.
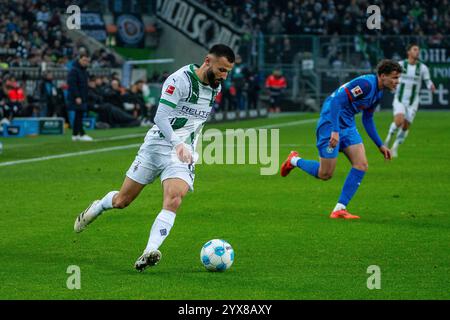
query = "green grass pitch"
x=286 y=246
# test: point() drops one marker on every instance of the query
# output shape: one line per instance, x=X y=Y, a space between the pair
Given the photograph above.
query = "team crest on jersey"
x=357 y=91
x=170 y=89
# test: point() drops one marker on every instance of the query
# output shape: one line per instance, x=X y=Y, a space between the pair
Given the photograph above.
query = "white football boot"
x=86 y=217
x=149 y=259
x=395 y=153
x=85 y=137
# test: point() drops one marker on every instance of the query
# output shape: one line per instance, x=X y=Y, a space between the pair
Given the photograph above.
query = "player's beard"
x=212 y=80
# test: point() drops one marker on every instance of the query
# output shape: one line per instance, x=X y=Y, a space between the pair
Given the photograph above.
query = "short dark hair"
x=83 y=55
x=387 y=66
x=411 y=45
x=221 y=50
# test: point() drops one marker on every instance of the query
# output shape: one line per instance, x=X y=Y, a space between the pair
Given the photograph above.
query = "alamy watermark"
x=374 y=20
x=374 y=280
x=74 y=280
x=240 y=146
x=73 y=21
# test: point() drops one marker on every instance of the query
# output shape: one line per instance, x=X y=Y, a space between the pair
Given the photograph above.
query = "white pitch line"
x=123 y=137
x=80 y=153
x=288 y=124
x=66 y=155
x=280 y=125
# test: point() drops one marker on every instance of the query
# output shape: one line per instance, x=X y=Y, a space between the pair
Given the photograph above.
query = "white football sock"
x=392 y=129
x=401 y=136
x=105 y=203
x=294 y=161
x=339 y=206
x=160 y=229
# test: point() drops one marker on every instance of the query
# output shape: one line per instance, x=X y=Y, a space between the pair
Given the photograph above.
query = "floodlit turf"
x=286 y=246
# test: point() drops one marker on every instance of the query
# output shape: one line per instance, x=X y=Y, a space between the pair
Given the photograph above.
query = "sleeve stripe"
x=348 y=94
x=168 y=103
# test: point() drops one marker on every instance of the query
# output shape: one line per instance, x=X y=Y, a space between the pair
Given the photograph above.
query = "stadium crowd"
x=112 y=104
x=31 y=35
x=343 y=17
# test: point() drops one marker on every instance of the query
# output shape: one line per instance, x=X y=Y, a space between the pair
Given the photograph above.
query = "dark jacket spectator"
x=49 y=98
x=107 y=112
x=77 y=80
x=113 y=93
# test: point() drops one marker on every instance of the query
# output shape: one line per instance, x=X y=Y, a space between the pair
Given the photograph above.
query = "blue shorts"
x=347 y=137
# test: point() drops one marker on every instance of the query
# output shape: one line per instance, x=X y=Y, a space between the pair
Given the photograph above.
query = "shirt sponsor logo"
x=170 y=89
x=194 y=112
x=356 y=91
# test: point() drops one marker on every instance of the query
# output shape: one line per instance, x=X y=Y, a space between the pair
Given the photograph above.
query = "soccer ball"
x=217 y=255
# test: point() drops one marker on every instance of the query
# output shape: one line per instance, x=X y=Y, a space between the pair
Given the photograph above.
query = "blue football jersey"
x=344 y=103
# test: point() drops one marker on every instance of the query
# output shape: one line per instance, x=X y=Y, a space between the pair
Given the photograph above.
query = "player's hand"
x=334 y=139
x=78 y=100
x=386 y=152
x=183 y=153
x=433 y=88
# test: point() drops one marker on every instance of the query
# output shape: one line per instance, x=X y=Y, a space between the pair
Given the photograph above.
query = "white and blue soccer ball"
x=217 y=255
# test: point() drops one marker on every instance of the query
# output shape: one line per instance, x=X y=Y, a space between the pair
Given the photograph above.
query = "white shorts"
x=408 y=110
x=160 y=160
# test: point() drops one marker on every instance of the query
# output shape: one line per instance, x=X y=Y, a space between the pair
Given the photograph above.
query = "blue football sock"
x=351 y=184
x=309 y=166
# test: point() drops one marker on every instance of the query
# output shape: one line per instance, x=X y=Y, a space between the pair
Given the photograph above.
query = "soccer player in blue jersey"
x=336 y=131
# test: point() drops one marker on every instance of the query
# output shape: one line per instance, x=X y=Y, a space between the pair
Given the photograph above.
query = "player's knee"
x=326 y=175
x=363 y=166
x=173 y=201
x=405 y=125
x=399 y=121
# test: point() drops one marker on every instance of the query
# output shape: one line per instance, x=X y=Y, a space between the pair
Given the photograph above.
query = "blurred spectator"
x=276 y=84
x=150 y=104
x=77 y=80
x=238 y=77
x=108 y=114
x=133 y=100
x=253 y=89
x=227 y=97
x=15 y=104
x=50 y=100
x=113 y=93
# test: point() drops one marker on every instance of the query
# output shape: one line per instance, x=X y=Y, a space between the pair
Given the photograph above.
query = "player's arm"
x=371 y=130
x=426 y=77
x=172 y=92
x=337 y=102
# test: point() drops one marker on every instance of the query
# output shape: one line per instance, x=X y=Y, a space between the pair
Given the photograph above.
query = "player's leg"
x=177 y=179
x=322 y=169
x=357 y=156
x=399 y=117
x=112 y=200
x=140 y=173
x=174 y=190
x=403 y=133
